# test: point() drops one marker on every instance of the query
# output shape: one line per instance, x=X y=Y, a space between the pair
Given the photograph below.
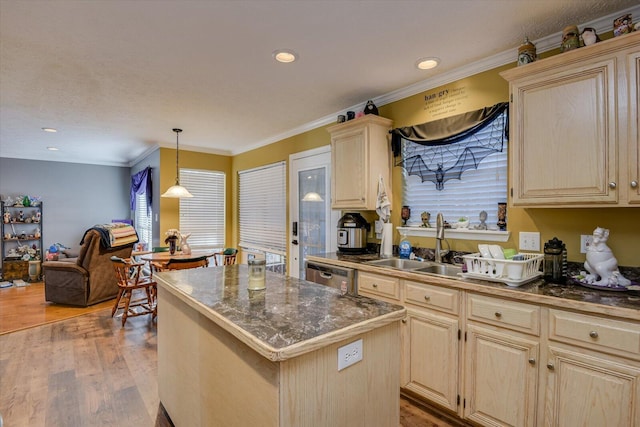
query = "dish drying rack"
x=510 y=272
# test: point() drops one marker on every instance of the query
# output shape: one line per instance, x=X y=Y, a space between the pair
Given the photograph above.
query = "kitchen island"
x=231 y=356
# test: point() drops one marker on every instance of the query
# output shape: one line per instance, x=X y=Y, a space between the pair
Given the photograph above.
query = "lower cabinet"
x=431 y=354
x=500 y=362
x=501 y=373
x=591 y=389
x=593 y=371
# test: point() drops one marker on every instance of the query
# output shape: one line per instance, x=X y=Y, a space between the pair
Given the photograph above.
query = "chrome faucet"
x=440 y=237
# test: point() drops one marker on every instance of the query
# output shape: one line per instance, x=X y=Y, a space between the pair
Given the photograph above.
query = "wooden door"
x=591 y=390
x=563 y=136
x=431 y=357
x=500 y=377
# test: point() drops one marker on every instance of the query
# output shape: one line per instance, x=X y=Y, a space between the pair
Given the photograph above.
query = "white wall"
x=75 y=196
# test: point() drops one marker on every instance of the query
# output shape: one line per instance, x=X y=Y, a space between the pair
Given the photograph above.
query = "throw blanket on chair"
x=114 y=235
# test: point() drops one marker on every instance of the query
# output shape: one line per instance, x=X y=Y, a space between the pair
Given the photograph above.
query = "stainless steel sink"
x=398 y=263
x=440 y=269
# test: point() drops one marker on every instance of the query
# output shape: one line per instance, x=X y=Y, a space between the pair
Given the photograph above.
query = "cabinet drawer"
x=612 y=335
x=509 y=314
x=379 y=285
x=432 y=296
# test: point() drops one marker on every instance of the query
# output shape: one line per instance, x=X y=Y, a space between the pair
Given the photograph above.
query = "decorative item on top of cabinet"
x=360 y=154
x=570 y=143
x=526 y=52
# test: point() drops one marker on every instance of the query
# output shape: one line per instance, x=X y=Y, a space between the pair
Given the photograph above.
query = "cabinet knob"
x=427 y=297
x=634 y=184
x=404 y=320
x=498 y=314
x=612 y=185
x=550 y=366
x=593 y=334
x=375 y=285
x=532 y=361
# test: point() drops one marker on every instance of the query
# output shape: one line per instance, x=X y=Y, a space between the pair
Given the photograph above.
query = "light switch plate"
x=349 y=354
x=529 y=241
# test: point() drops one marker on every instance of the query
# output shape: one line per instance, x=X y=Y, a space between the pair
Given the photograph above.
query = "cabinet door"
x=500 y=378
x=591 y=390
x=350 y=169
x=633 y=63
x=563 y=136
x=431 y=357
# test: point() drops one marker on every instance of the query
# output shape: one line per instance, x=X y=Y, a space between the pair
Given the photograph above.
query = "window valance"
x=447 y=130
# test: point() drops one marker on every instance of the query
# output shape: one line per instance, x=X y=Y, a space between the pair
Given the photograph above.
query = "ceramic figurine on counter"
x=601 y=265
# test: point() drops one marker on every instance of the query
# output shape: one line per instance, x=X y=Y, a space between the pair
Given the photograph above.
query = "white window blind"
x=142 y=221
x=203 y=215
x=263 y=208
x=478 y=189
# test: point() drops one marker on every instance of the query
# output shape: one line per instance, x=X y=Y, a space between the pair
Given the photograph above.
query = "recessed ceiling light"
x=50 y=130
x=284 y=55
x=52 y=149
x=427 y=63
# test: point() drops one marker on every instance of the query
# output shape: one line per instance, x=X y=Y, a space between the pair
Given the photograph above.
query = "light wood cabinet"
x=360 y=153
x=375 y=286
x=501 y=362
x=497 y=361
x=571 y=140
x=593 y=371
x=431 y=339
x=633 y=66
x=501 y=371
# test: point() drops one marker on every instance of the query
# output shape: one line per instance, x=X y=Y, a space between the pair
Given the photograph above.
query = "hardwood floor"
x=89 y=371
x=25 y=307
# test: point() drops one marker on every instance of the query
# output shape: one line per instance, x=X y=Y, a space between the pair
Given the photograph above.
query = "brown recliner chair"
x=88 y=281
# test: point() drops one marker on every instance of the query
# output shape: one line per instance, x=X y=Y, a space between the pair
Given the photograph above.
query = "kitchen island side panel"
x=206 y=376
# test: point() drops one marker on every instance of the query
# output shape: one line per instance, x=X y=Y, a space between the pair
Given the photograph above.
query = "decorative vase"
x=173 y=243
x=184 y=246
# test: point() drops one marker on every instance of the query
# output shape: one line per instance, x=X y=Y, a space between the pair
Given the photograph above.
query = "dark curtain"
x=448 y=130
x=141 y=184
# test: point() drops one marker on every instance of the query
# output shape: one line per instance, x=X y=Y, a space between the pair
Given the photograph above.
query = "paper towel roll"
x=386 y=244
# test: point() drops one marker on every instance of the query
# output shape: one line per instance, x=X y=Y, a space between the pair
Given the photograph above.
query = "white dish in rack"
x=505 y=280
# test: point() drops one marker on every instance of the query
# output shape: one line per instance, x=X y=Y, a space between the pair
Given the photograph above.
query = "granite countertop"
x=624 y=304
x=288 y=318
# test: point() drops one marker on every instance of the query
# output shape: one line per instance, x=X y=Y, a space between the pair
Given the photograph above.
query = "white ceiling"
x=115 y=76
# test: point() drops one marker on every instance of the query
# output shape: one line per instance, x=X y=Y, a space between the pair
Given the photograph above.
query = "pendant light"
x=177 y=191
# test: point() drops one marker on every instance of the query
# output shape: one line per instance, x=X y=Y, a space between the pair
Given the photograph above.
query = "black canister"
x=555 y=269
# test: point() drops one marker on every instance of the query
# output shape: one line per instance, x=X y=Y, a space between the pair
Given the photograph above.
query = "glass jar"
x=257 y=274
x=555 y=269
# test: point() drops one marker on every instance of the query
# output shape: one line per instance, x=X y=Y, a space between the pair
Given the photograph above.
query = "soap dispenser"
x=404 y=248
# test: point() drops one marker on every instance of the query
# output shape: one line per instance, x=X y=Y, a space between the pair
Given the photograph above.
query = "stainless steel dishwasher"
x=340 y=278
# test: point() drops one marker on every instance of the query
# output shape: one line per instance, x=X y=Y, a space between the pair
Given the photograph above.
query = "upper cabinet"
x=574 y=127
x=360 y=153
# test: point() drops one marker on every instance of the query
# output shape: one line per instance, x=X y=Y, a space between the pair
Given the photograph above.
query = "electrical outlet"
x=585 y=242
x=349 y=354
x=529 y=241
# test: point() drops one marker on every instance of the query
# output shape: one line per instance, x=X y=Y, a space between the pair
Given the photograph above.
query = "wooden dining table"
x=166 y=256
